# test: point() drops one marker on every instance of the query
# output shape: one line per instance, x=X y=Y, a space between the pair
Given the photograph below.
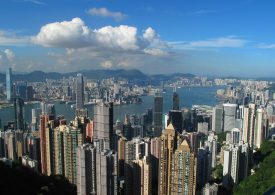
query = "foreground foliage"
x=264 y=178
x=22 y=180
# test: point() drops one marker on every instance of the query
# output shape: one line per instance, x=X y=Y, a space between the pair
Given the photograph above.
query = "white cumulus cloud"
x=75 y=34
x=104 y=12
x=67 y=34
x=9 y=54
x=124 y=37
x=156 y=52
x=107 y=64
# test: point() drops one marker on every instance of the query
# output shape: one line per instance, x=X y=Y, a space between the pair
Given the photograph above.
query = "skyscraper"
x=43 y=143
x=103 y=125
x=9 y=84
x=175 y=117
x=143 y=174
x=229 y=113
x=167 y=147
x=183 y=180
x=19 y=122
x=86 y=169
x=158 y=108
x=79 y=91
x=72 y=138
x=176 y=101
x=217 y=119
x=106 y=172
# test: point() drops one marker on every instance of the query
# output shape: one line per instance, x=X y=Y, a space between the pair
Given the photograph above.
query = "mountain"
x=132 y=75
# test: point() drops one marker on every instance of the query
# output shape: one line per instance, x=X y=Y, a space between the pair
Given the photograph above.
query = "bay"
x=188 y=96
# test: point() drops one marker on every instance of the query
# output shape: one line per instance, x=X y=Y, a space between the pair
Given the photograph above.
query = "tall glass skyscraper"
x=79 y=91
x=9 y=84
x=19 y=122
x=158 y=108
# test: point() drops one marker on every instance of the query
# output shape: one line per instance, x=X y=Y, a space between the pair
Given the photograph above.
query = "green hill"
x=264 y=178
x=21 y=180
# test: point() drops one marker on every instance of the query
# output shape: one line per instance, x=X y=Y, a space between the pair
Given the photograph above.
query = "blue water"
x=188 y=97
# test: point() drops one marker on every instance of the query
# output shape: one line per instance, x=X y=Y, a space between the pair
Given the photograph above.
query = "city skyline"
x=205 y=38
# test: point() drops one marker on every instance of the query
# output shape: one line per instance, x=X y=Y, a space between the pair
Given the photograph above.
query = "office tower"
x=86 y=169
x=143 y=174
x=158 y=107
x=175 y=117
x=50 y=111
x=9 y=84
x=176 y=101
x=103 y=125
x=106 y=172
x=217 y=116
x=79 y=91
x=204 y=158
x=19 y=114
x=21 y=90
x=229 y=113
x=210 y=189
x=72 y=138
x=183 y=176
x=30 y=93
x=167 y=147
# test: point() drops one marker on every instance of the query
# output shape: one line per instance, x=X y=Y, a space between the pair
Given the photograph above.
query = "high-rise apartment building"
x=86 y=169
x=142 y=171
x=183 y=180
x=106 y=172
x=103 y=125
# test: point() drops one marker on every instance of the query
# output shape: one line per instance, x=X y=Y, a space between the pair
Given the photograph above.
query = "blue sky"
x=205 y=37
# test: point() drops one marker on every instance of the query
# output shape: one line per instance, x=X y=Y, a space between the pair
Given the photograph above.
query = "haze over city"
x=233 y=38
x=112 y=97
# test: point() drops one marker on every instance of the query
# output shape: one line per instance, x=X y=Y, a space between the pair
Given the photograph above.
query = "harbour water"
x=188 y=96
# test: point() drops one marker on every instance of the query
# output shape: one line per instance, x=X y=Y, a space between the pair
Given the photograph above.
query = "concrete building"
x=86 y=169
x=157 y=115
x=229 y=116
x=103 y=125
